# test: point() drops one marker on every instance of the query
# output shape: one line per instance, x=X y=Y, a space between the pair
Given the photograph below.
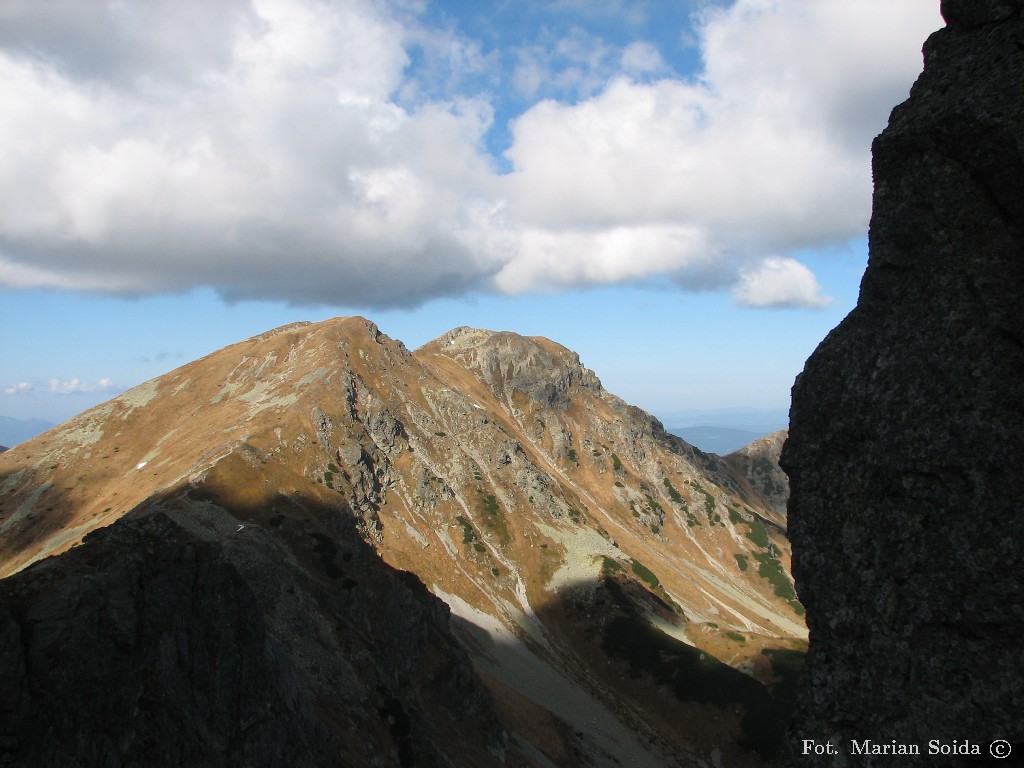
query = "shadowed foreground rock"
x=180 y=637
x=905 y=447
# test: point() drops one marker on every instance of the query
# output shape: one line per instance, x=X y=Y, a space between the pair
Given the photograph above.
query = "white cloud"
x=76 y=386
x=641 y=58
x=283 y=149
x=778 y=282
x=768 y=153
x=574 y=65
x=551 y=260
x=55 y=386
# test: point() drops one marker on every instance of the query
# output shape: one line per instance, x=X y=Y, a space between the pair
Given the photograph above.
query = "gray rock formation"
x=907 y=426
x=545 y=371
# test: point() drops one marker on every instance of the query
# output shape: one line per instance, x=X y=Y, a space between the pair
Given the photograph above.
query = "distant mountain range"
x=14 y=431
x=467 y=555
x=725 y=430
x=720 y=440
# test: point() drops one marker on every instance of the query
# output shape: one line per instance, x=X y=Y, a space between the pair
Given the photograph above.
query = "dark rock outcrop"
x=193 y=632
x=907 y=426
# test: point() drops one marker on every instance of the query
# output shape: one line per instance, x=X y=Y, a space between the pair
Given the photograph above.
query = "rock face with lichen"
x=907 y=426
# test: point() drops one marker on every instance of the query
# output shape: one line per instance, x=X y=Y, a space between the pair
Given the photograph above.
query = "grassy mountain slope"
x=624 y=596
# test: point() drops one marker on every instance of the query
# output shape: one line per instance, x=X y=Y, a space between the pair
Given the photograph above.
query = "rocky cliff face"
x=907 y=428
x=624 y=598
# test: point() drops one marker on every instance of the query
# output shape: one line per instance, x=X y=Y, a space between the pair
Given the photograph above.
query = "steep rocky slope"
x=624 y=597
x=758 y=462
x=907 y=428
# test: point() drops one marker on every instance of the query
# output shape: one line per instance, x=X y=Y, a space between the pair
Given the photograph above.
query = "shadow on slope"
x=201 y=631
x=25 y=519
x=694 y=676
x=626 y=690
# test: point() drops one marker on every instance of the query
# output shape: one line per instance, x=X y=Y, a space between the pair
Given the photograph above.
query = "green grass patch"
x=468 y=534
x=494 y=520
x=758 y=534
x=709 y=500
x=571 y=453
x=645 y=574
x=616 y=463
x=771 y=569
x=742 y=561
x=675 y=495
x=609 y=565
x=653 y=505
x=736 y=637
x=762 y=466
x=479 y=547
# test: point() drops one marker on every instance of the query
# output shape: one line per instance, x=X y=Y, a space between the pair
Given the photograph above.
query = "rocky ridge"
x=758 y=462
x=624 y=598
x=907 y=433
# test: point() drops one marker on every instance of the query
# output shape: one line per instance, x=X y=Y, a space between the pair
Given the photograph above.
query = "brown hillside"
x=612 y=585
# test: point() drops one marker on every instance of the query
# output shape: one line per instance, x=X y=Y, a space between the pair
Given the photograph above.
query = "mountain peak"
x=556 y=522
x=544 y=371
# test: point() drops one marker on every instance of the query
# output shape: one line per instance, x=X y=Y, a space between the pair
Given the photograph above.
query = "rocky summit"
x=316 y=547
x=907 y=428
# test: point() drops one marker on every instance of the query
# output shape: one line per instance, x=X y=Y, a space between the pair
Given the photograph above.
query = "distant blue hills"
x=719 y=431
x=14 y=431
x=725 y=430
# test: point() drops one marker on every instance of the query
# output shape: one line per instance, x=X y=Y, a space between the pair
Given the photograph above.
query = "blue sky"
x=679 y=191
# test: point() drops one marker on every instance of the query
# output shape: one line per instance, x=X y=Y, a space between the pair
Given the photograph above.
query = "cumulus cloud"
x=76 y=386
x=56 y=386
x=778 y=282
x=291 y=150
x=19 y=388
